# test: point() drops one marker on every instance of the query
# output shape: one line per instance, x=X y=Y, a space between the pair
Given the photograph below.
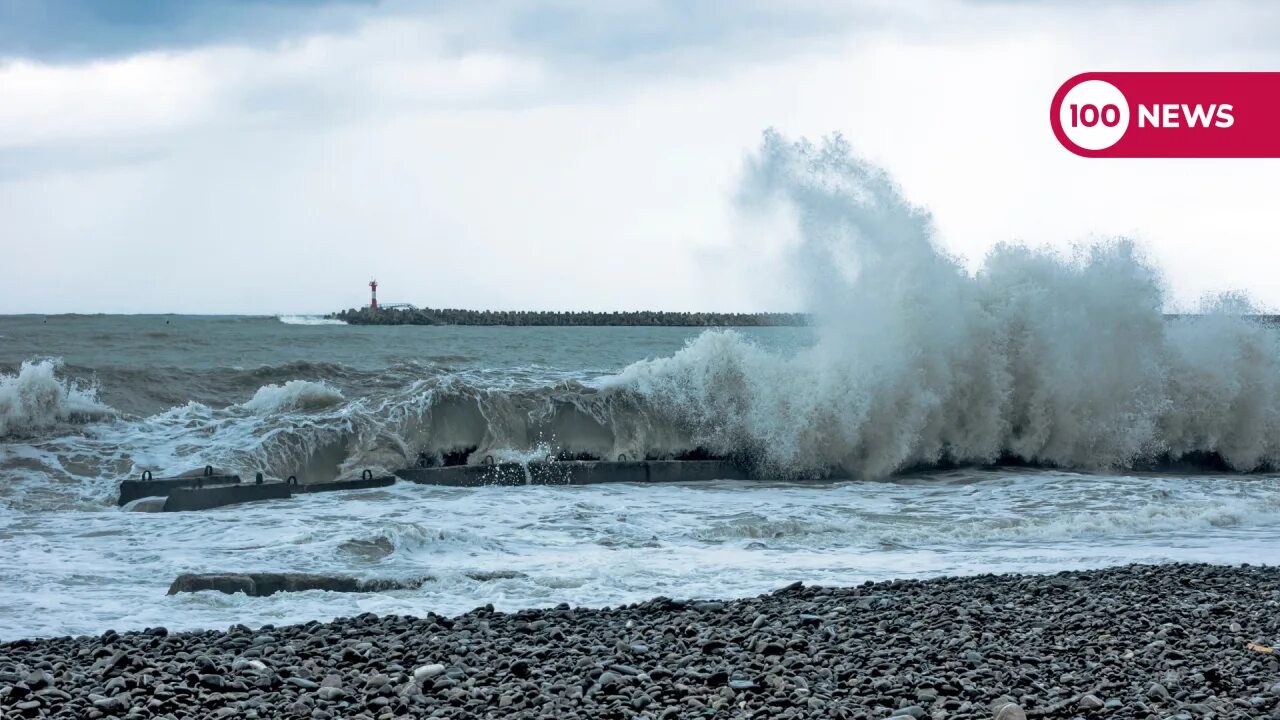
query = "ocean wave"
x=1060 y=361
x=1036 y=357
x=309 y=320
x=35 y=399
x=294 y=395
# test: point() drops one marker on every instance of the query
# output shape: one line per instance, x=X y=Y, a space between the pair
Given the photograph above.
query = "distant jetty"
x=644 y=318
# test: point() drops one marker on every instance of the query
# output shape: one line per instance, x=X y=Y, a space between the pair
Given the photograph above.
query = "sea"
x=87 y=401
x=1033 y=411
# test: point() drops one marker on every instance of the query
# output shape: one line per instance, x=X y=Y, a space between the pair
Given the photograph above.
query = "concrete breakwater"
x=575 y=472
x=207 y=491
x=642 y=318
x=210 y=490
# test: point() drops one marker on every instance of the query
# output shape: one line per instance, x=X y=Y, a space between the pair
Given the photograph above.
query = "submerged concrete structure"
x=203 y=492
x=575 y=472
x=149 y=486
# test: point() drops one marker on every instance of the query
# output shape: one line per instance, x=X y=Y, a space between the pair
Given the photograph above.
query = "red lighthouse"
x=373 y=289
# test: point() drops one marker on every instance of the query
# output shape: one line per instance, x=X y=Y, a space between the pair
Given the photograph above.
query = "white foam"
x=1053 y=359
x=90 y=569
x=294 y=395
x=35 y=399
x=309 y=320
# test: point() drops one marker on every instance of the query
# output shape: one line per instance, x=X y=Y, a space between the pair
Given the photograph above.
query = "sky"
x=230 y=156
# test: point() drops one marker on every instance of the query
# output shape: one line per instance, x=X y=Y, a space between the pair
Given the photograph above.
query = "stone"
x=264 y=584
x=426 y=672
x=1008 y=711
x=1090 y=702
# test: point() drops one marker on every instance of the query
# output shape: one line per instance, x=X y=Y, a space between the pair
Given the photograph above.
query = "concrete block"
x=185 y=499
x=131 y=490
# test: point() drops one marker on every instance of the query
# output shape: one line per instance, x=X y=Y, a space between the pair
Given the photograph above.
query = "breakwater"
x=642 y=318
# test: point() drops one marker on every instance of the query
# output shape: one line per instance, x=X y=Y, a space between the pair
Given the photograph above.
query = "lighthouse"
x=373 y=294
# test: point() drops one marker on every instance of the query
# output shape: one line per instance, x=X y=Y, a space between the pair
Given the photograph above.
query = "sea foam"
x=294 y=395
x=35 y=399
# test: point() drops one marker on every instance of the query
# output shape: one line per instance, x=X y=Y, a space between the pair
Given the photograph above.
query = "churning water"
x=915 y=374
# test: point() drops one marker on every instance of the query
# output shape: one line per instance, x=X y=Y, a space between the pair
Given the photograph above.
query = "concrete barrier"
x=361 y=484
x=669 y=471
x=586 y=472
x=466 y=475
x=185 y=499
x=131 y=490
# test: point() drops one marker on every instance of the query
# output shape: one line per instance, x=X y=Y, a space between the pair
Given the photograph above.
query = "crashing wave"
x=1034 y=357
x=35 y=399
x=1045 y=359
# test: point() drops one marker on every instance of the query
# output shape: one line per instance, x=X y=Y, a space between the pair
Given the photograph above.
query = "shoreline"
x=1126 y=641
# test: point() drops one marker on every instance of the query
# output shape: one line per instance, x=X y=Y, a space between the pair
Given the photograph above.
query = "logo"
x=1169 y=115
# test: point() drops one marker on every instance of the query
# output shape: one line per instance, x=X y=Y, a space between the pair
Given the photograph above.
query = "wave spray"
x=1064 y=361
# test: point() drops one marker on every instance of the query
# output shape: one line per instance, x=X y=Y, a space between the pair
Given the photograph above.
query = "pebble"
x=1090 y=702
x=427 y=672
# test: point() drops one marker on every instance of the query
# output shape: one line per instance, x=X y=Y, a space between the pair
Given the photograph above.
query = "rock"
x=1156 y=691
x=1090 y=702
x=329 y=694
x=914 y=711
x=213 y=681
x=1008 y=711
x=264 y=584
x=108 y=704
x=426 y=672
x=222 y=582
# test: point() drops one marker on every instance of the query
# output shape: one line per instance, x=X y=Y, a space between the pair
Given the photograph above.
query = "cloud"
x=573 y=154
x=78 y=30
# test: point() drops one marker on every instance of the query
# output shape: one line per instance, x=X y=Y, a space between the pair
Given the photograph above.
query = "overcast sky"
x=232 y=156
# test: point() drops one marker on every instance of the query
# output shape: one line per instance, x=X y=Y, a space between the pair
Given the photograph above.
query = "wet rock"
x=264 y=584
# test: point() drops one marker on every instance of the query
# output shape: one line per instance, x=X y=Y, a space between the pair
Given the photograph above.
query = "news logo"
x=1184 y=115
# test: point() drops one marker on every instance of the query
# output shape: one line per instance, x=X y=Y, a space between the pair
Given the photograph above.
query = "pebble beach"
x=1167 y=641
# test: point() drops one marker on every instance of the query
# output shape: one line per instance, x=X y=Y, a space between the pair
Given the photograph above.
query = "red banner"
x=1169 y=115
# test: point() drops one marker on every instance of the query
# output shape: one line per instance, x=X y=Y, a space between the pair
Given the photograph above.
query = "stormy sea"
x=1034 y=413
